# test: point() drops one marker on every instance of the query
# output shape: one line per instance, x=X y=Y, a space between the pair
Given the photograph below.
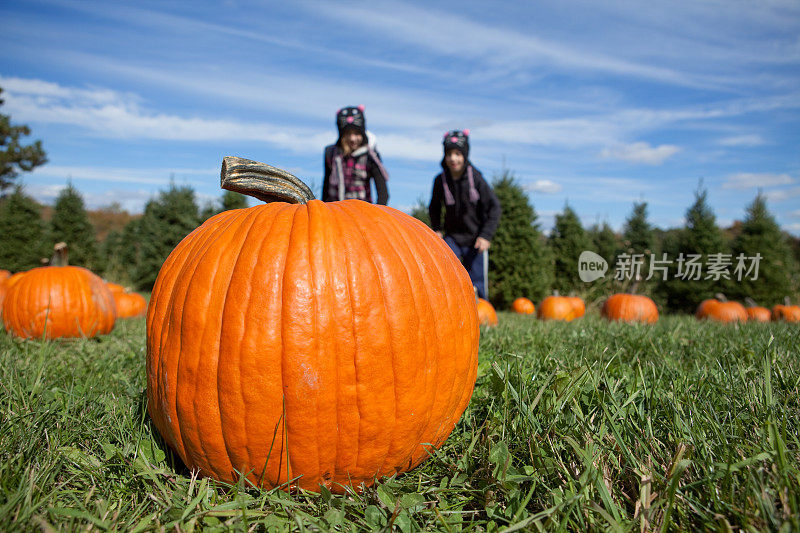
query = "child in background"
x=351 y=163
x=472 y=211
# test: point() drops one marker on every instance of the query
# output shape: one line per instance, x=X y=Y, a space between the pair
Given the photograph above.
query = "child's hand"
x=482 y=244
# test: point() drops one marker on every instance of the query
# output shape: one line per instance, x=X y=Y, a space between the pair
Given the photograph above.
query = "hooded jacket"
x=470 y=215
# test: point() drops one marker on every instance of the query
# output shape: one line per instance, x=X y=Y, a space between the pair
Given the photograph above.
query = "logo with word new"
x=591 y=266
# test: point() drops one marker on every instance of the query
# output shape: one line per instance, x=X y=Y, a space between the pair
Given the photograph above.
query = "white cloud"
x=747 y=180
x=543 y=187
x=145 y=176
x=641 y=152
x=742 y=140
x=794 y=214
x=780 y=195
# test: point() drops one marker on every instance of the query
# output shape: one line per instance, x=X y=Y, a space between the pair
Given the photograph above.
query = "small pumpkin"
x=7 y=284
x=4 y=274
x=720 y=309
x=557 y=307
x=786 y=312
x=523 y=306
x=579 y=305
x=115 y=287
x=756 y=313
x=630 y=308
x=486 y=313
x=129 y=304
x=307 y=344
x=58 y=301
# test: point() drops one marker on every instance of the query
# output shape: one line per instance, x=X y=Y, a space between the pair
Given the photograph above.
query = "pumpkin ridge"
x=447 y=260
x=373 y=222
x=187 y=269
x=157 y=338
x=241 y=220
x=437 y=387
x=172 y=269
x=280 y=217
x=348 y=275
x=349 y=209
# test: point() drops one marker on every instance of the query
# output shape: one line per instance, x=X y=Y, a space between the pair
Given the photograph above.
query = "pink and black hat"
x=351 y=117
x=457 y=139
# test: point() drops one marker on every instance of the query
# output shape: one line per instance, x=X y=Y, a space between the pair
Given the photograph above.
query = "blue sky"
x=595 y=104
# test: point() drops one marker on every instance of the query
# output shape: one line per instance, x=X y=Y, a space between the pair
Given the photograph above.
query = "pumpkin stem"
x=262 y=181
x=787 y=300
x=750 y=302
x=721 y=297
x=60 y=255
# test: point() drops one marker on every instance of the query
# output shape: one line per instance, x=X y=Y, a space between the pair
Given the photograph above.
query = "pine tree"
x=700 y=237
x=567 y=241
x=519 y=261
x=420 y=212
x=637 y=233
x=24 y=240
x=165 y=222
x=760 y=234
x=233 y=200
x=14 y=156
x=605 y=242
x=71 y=225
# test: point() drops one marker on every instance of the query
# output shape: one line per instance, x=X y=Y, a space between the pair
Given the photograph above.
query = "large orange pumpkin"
x=129 y=304
x=721 y=310
x=58 y=301
x=630 y=308
x=312 y=343
x=557 y=307
x=786 y=312
x=523 y=306
x=486 y=313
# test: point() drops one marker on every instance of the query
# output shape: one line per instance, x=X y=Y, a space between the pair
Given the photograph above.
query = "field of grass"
x=572 y=427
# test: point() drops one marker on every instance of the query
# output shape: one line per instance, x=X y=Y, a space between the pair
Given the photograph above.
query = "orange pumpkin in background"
x=4 y=274
x=630 y=308
x=58 y=301
x=307 y=343
x=786 y=312
x=523 y=306
x=557 y=307
x=486 y=313
x=756 y=313
x=115 y=287
x=579 y=305
x=6 y=284
x=129 y=304
x=720 y=309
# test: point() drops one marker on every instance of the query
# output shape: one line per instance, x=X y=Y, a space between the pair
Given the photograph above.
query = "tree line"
x=523 y=260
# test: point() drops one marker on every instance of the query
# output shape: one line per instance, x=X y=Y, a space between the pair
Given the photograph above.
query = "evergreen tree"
x=519 y=261
x=567 y=240
x=605 y=242
x=71 y=225
x=233 y=200
x=229 y=200
x=700 y=237
x=14 y=156
x=638 y=233
x=23 y=234
x=165 y=222
x=760 y=234
x=420 y=212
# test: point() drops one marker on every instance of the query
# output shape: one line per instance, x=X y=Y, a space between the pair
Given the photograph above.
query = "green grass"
x=581 y=426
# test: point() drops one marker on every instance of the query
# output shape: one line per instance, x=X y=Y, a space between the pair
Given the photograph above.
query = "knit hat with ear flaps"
x=351 y=117
x=458 y=139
